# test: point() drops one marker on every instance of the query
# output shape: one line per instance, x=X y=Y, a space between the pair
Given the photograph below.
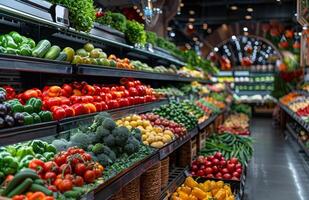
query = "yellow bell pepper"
x=198 y=193
x=190 y=182
x=191 y=197
x=214 y=191
x=220 y=195
x=231 y=197
x=220 y=184
x=183 y=195
x=185 y=189
x=228 y=189
x=202 y=187
x=175 y=198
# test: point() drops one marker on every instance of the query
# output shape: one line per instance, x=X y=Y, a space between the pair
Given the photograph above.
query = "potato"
x=149 y=128
x=144 y=137
x=151 y=138
x=133 y=124
x=136 y=117
x=167 y=138
x=128 y=118
x=158 y=129
x=146 y=123
x=157 y=144
x=145 y=143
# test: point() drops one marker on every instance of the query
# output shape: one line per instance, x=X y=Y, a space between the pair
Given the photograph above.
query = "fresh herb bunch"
x=135 y=33
x=106 y=19
x=81 y=13
x=151 y=37
x=115 y=20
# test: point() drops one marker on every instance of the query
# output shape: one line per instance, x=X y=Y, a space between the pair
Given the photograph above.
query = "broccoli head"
x=109 y=140
x=99 y=118
x=101 y=133
x=61 y=144
x=121 y=135
x=137 y=134
x=129 y=148
x=104 y=160
x=118 y=151
x=109 y=124
x=80 y=139
x=97 y=148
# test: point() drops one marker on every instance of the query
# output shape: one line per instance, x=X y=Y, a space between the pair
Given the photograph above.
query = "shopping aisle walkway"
x=276 y=171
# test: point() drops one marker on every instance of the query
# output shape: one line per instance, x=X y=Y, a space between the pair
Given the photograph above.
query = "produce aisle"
x=276 y=170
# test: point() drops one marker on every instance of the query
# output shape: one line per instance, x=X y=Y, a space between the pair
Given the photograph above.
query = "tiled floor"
x=277 y=170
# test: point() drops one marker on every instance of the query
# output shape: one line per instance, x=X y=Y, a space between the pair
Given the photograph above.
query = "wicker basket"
x=164 y=172
x=132 y=190
x=151 y=183
x=117 y=196
x=187 y=153
x=201 y=139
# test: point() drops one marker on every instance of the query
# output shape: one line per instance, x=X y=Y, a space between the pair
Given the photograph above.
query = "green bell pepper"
x=11 y=149
x=36 y=104
x=48 y=155
x=38 y=146
x=40 y=157
x=8 y=164
x=12 y=51
x=10 y=43
x=16 y=37
x=24 y=162
x=28 y=119
x=17 y=107
x=25 y=50
x=28 y=109
x=24 y=151
x=2 y=177
x=3 y=41
x=36 y=118
x=46 y=116
x=2 y=49
x=31 y=43
x=50 y=148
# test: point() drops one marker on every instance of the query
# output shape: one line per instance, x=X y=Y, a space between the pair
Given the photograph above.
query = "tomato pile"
x=73 y=167
x=217 y=166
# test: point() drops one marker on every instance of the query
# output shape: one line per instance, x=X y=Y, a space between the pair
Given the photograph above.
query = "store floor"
x=277 y=170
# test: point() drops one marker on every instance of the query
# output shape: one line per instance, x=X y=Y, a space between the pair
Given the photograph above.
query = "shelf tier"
x=292 y=132
x=295 y=117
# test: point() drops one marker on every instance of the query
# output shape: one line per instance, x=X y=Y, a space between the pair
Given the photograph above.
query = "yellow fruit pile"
x=191 y=190
x=153 y=136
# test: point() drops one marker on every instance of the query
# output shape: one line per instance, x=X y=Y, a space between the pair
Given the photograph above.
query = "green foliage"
x=135 y=32
x=151 y=37
x=81 y=13
x=121 y=135
x=109 y=124
x=115 y=20
x=104 y=160
x=242 y=108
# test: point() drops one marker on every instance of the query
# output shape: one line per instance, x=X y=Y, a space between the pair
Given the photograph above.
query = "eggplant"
x=9 y=120
x=3 y=110
x=2 y=122
x=19 y=118
x=2 y=96
x=8 y=108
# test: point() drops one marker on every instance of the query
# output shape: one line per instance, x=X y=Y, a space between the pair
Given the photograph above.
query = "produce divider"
x=294 y=116
x=291 y=131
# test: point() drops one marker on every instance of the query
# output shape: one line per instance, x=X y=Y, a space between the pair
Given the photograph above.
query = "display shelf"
x=252 y=82
x=26 y=133
x=302 y=92
x=295 y=117
x=172 y=146
x=93 y=70
x=176 y=177
x=73 y=122
x=291 y=131
x=252 y=92
x=207 y=122
x=111 y=186
x=30 y=64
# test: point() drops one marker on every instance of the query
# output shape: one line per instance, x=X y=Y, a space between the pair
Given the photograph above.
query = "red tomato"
x=51 y=166
x=208 y=164
x=224 y=171
x=80 y=169
x=123 y=102
x=210 y=176
x=89 y=176
x=69 y=177
x=218 y=155
x=215 y=169
x=200 y=173
x=227 y=176
x=65 y=169
x=215 y=161
x=112 y=104
x=50 y=176
x=97 y=172
x=230 y=167
x=222 y=163
x=65 y=185
x=208 y=170
x=78 y=181
x=236 y=174
x=52 y=188
x=104 y=106
x=238 y=170
x=133 y=92
x=194 y=168
x=86 y=156
x=234 y=160
x=60 y=158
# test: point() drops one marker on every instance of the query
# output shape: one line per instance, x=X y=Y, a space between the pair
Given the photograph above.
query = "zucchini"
x=41 y=49
x=36 y=187
x=19 y=177
x=21 y=188
x=53 y=52
x=62 y=56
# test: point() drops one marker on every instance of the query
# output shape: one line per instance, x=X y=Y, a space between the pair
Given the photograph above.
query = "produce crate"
x=164 y=172
x=151 y=183
x=187 y=152
x=201 y=139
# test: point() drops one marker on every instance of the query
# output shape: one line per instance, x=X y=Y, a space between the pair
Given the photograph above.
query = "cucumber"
x=21 y=188
x=53 y=52
x=41 y=49
x=39 y=181
x=36 y=187
x=62 y=56
x=72 y=194
x=18 y=178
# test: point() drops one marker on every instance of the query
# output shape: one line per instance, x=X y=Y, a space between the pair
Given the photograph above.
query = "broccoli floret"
x=89 y=148
x=118 y=151
x=61 y=144
x=134 y=142
x=104 y=160
x=99 y=118
x=109 y=140
x=137 y=134
x=112 y=156
x=129 y=148
x=80 y=139
x=92 y=138
x=109 y=124
x=98 y=148
x=121 y=135
x=102 y=132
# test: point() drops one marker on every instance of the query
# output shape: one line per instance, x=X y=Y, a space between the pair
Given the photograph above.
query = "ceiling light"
x=248 y=17
x=138 y=10
x=233 y=7
x=169 y=28
x=304 y=27
x=278 y=0
x=195 y=39
x=172 y=34
x=141 y=14
x=205 y=26
x=182 y=5
x=216 y=49
x=135 y=7
x=250 y=9
x=191 y=12
x=299 y=34
x=234 y=37
x=295 y=14
x=190 y=26
x=191 y=19
x=245 y=29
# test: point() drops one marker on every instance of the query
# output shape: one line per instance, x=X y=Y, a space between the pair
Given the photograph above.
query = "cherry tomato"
x=80 y=169
x=65 y=185
x=65 y=169
x=89 y=176
x=78 y=181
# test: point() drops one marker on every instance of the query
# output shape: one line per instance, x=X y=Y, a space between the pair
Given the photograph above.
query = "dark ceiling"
x=215 y=13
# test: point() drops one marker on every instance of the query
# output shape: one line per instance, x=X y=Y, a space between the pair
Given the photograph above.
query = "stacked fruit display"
x=297 y=103
x=204 y=105
x=155 y=136
x=176 y=112
x=168 y=92
x=235 y=124
x=218 y=104
x=216 y=166
x=230 y=146
x=191 y=189
x=188 y=72
x=195 y=110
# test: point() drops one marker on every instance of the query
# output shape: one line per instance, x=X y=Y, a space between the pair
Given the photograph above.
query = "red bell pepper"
x=65 y=101
x=10 y=92
x=77 y=85
x=69 y=111
x=79 y=109
x=91 y=107
x=37 y=165
x=88 y=90
x=97 y=89
x=53 y=101
x=87 y=99
x=97 y=99
x=29 y=94
x=77 y=92
x=58 y=113
x=75 y=99
x=67 y=88
x=98 y=106
x=104 y=106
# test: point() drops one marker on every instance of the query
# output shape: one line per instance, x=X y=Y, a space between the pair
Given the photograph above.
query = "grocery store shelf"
x=253 y=92
x=112 y=186
x=291 y=131
x=26 y=133
x=93 y=70
x=176 y=177
x=73 y=122
x=294 y=116
x=253 y=83
x=171 y=147
x=30 y=64
x=302 y=92
x=207 y=122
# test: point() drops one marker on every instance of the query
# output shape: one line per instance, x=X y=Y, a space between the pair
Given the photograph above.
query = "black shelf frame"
x=291 y=131
x=295 y=117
